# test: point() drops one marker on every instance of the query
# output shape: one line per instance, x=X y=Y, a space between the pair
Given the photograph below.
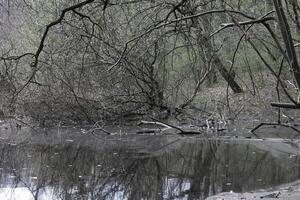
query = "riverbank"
x=290 y=191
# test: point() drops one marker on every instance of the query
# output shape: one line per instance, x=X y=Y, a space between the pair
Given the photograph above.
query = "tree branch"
x=44 y=37
x=172 y=22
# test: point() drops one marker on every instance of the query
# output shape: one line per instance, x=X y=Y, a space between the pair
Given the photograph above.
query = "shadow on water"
x=139 y=167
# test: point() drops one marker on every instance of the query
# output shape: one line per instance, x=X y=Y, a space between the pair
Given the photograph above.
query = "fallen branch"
x=145 y=131
x=181 y=132
x=103 y=130
x=285 y=105
x=274 y=124
x=169 y=125
x=155 y=123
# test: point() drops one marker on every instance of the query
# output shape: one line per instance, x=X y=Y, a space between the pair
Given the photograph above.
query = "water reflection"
x=138 y=167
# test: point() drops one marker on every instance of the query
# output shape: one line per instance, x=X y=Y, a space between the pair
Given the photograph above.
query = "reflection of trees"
x=200 y=182
x=147 y=180
x=192 y=169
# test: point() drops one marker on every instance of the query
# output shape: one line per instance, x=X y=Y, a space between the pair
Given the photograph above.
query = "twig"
x=26 y=124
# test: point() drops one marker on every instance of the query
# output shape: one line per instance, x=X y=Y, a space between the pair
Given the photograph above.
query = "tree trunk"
x=207 y=29
x=287 y=39
x=210 y=54
x=220 y=67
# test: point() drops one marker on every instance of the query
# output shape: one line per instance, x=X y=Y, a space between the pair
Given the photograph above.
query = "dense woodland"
x=76 y=61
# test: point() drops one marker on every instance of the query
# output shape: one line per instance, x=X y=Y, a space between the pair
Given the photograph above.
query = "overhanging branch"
x=44 y=37
x=148 y=31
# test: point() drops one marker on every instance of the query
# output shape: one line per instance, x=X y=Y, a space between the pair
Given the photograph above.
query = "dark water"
x=140 y=167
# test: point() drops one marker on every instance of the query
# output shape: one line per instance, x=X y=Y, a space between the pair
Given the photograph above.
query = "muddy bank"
x=289 y=191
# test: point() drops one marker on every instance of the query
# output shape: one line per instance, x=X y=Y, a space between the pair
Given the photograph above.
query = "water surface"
x=68 y=164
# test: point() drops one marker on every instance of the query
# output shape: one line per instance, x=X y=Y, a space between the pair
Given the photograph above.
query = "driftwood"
x=285 y=105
